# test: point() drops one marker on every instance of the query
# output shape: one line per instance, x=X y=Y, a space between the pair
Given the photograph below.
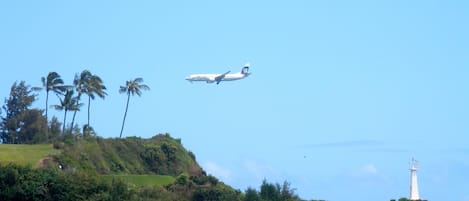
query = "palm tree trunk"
x=74 y=114
x=47 y=103
x=47 y=120
x=89 y=127
x=63 y=127
x=125 y=114
x=73 y=118
x=89 y=102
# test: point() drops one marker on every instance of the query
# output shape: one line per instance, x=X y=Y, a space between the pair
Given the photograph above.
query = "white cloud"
x=366 y=171
x=260 y=171
x=370 y=169
x=217 y=171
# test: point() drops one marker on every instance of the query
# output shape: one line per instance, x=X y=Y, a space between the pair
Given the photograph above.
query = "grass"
x=143 y=180
x=22 y=154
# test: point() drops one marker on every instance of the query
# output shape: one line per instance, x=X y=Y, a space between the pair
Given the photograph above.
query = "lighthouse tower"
x=414 y=187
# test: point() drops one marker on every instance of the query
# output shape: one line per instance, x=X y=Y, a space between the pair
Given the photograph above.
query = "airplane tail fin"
x=245 y=69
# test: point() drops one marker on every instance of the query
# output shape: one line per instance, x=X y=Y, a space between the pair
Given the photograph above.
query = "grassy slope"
x=159 y=155
x=112 y=158
x=141 y=180
x=31 y=154
x=25 y=154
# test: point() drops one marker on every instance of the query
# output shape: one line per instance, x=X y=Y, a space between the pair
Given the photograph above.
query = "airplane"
x=211 y=78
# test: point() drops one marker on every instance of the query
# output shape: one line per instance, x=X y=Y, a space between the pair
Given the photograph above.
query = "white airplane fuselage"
x=211 y=78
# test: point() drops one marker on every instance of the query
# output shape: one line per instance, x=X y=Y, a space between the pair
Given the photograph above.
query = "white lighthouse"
x=414 y=187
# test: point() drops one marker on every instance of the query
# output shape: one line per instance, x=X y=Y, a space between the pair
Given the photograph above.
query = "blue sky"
x=343 y=94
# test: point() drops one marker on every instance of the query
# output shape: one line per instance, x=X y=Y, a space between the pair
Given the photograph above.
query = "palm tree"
x=79 y=82
x=76 y=108
x=68 y=103
x=131 y=87
x=94 y=86
x=91 y=85
x=54 y=83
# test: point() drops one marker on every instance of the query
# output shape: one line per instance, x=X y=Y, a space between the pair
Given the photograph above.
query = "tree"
x=19 y=120
x=287 y=193
x=88 y=131
x=274 y=192
x=79 y=83
x=34 y=127
x=251 y=195
x=270 y=191
x=68 y=103
x=131 y=87
x=91 y=85
x=54 y=83
x=216 y=193
x=54 y=128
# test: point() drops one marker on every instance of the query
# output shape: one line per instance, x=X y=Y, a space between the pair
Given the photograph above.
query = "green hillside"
x=154 y=161
x=160 y=155
x=143 y=180
x=159 y=168
x=23 y=154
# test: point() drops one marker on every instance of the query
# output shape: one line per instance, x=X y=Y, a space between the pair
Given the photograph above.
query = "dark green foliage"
x=20 y=100
x=182 y=179
x=25 y=183
x=155 y=193
x=206 y=194
x=272 y=192
x=54 y=129
x=182 y=192
x=119 y=191
x=287 y=193
x=33 y=127
x=212 y=180
x=21 y=124
x=204 y=180
x=216 y=193
x=161 y=158
x=251 y=195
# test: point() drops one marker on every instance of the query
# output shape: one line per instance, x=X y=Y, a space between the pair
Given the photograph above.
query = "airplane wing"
x=220 y=77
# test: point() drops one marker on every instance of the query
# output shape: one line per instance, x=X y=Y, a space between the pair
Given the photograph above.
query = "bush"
x=182 y=179
x=58 y=145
